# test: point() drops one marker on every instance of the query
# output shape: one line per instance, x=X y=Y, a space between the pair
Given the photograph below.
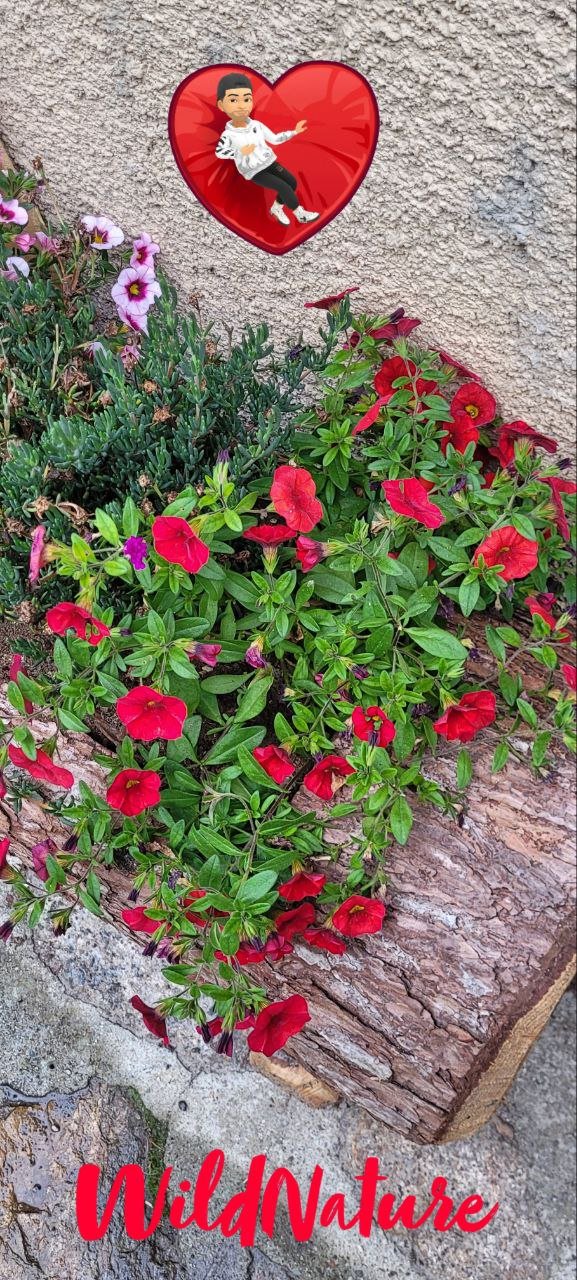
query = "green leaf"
x=254 y=698
x=62 y=660
x=500 y=757
x=440 y=644
x=527 y=712
x=106 y=527
x=469 y=592
x=130 y=518
x=253 y=771
x=540 y=748
x=257 y=887
x=69 y=721
x=510 y=687
x=330 y=586
x=228 y=746
x=15 y=697
x=464 y=769
x=401 y=819
x=523 y=526
x=224 y=683
x=495 y=644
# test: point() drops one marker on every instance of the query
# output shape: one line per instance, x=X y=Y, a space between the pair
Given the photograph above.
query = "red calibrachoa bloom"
x=559 y=485
x=373 y=726
x=518 y=555
x=508 y=435
x=147 y=714
x=153 y=1020
x=277 y=1023
x=175 y=541
x=410 y=498
x=3 y=787
x=328 y=776
x=137 y=920
x=304 y=884
x=275 y=761
x=133 y=791
x=358 y=915
x=293 y=494
x=460 y=433
x=4 y=849
x=309 y=553
x=16 y=668
x=569 y=674
x=42 y=768
x=394 y=368
x=369 y=417
x=71 y=617
x=325 y=940
x=463 y=720
x=474 y=403
x=290 y=923
x=325 y=304
x=540 y=607
x=269 y=535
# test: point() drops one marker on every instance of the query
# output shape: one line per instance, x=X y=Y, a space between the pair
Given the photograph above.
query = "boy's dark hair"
x=234 y=80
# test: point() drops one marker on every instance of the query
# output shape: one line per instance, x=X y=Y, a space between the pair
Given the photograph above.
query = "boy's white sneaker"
x=279 y=213
x=303 y=215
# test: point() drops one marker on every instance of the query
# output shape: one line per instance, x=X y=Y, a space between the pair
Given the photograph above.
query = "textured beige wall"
x=465 y=217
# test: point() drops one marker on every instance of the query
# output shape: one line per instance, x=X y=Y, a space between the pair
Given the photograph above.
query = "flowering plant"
x=263 y=658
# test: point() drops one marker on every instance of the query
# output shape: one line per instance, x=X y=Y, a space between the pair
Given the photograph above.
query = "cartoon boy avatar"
x=247 y=142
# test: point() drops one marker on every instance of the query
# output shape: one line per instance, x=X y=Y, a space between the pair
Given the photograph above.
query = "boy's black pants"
x=279 y=180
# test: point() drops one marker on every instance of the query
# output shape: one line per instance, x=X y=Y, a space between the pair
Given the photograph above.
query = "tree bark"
x=425 y=1024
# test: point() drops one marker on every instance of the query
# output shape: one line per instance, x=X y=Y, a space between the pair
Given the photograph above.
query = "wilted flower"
x=16 y=268
x=253 y=654
x=129 y=353
x=37 y=553
x=23 y=241
x=206 y=653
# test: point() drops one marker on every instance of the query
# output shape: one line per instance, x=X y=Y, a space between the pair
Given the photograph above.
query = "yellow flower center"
x=472 y=410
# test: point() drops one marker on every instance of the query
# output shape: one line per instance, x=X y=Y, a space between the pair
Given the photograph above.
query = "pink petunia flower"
x=47 y=244
x=135 y=290
x=103 y=232
x=13 y=213
x=23 y=241
x=37 y=555
x=138 y=323
x=144 y=251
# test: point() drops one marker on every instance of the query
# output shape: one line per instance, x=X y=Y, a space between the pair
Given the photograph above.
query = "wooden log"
x=425 y=1024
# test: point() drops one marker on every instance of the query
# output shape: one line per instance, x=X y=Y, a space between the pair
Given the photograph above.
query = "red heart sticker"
x=258 y=175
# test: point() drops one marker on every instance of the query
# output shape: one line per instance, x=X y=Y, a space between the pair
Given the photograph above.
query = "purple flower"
x=12 y=212
x=361 y=673
x=207 y=653
x=37 y=555
x=40 y=853
x=6 y=930
x=253 y=654
x=47 y=244
x=136 y=550
x=23 y=241
x=103 y=232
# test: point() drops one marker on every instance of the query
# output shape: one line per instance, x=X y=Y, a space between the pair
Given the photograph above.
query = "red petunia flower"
x=276 y=947
x=369 y=417
x=518 y=555
x=147 y=714
x=290 y=923
x=40 y=853
x=304 y=884
x=269 y=535
x=559 y=485
x=328 y=776
x=359 y=915
x=71 y=617
x=3 y=787
x=42 y=768
x=537 y=606
x=277 y=1023
x=193 y=916
x=137 y=920
x=17 y=666
x=569 y=674
x=373 y=726
x=275 y=761
x=206 y=653
x=459 y=368
x=133 y=791
x=325 y=304
x=293 y=493
x=410 y=498
x=153 y=1020
x=248 y=953
x=175 y=541
x=460 y=434
x=394 y=368
x=462 y=720
x=325 y=940
x=510 y=432
x=474 y=403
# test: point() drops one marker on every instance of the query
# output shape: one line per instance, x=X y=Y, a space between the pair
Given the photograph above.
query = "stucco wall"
x=465 y=216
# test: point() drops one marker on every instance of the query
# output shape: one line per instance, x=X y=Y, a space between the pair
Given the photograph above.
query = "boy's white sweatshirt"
x=231 y=142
